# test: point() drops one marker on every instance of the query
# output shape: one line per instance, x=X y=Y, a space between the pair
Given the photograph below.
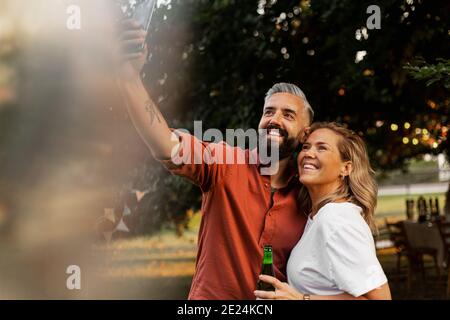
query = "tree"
x=213 y=60
x=438 y=73
x=232 y=51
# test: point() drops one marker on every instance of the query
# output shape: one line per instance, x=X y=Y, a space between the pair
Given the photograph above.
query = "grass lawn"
x=394 y=207
x=161 y=266
x=391 y=207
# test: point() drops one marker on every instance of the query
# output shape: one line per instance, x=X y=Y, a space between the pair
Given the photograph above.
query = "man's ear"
x=347 y=168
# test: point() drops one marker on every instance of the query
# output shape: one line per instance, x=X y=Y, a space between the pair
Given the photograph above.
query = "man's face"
x=285 y=112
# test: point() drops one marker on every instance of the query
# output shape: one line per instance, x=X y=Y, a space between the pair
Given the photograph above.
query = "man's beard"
x=287 y=146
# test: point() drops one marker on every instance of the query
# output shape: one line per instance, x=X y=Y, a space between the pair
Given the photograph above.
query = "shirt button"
x=266 y=185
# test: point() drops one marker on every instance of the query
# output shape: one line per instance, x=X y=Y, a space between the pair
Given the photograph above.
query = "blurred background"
x=78 y=187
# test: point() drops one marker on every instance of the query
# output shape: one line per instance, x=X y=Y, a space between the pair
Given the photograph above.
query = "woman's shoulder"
x=340 y=215
x=340 y=210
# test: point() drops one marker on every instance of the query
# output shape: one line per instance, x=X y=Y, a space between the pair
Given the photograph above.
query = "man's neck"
x=281 y=177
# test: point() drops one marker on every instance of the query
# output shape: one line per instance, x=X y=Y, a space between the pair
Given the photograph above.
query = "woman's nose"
x=309 y=153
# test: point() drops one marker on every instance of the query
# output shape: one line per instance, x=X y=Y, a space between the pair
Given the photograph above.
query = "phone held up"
x=139 y=10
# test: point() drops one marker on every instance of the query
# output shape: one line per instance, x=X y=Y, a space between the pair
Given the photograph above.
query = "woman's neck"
x=318 y=192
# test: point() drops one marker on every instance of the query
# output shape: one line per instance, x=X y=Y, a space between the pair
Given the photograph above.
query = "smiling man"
x=282 y=112
x=243 y=210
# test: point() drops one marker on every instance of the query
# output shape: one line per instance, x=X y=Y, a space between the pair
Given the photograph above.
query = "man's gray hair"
x=283 y=87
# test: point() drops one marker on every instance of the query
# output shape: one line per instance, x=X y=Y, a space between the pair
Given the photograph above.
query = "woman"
x=335 y=258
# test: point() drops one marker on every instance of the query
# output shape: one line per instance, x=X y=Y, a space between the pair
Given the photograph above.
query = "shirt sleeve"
x=196 y=160
x=354 y=265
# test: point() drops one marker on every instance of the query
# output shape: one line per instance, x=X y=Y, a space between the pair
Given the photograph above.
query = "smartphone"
x=143 y=11
x=139 y=10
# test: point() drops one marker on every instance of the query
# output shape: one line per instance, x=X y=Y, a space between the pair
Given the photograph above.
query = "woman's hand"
x=283 y=291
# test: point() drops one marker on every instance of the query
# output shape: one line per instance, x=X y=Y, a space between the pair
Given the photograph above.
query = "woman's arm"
x=380 y=293
x=283 y=291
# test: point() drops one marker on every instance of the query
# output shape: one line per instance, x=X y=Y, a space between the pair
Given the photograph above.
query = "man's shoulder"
x=227 y=154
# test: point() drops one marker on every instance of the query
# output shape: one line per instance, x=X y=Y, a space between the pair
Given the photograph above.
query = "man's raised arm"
x=147 y=119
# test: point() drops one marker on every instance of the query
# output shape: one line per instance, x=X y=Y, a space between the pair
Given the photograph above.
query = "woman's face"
x=319 y=162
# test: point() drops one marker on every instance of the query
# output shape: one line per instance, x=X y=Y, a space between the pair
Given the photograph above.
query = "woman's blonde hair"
x=359 y=187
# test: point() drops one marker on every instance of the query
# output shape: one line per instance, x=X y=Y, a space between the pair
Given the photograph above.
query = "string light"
x=368 y=72
x=394 y=127
x=431 y=104
x=405 y=140
x=407 y=125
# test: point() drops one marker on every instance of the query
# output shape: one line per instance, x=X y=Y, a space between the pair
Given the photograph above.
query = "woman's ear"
x=346 y=169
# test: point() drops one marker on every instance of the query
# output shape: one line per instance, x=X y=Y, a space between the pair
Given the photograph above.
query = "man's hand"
x=130 y=58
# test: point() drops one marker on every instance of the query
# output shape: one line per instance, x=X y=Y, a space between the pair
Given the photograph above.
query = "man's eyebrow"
x=289 y=109
x=286 y=108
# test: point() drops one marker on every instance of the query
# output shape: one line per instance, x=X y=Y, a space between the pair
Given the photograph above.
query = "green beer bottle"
x=267 y=269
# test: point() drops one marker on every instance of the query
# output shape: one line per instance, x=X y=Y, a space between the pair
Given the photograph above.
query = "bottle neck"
x=268 y=258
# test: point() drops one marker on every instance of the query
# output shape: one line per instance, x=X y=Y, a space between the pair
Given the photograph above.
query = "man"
x=242 y=209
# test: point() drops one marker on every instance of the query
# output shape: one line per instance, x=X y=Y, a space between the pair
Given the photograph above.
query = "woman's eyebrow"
x=320 y=143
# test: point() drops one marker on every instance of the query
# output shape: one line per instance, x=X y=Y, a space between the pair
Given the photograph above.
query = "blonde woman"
x=335 y=259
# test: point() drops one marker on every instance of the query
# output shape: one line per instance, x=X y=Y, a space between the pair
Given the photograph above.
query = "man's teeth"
x=274 y=133
x=309 y=166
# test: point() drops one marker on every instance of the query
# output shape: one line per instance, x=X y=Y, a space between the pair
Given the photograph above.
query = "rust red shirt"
x=240 y=214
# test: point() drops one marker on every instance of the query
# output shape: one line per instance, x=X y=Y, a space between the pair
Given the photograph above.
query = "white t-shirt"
x=336 y=254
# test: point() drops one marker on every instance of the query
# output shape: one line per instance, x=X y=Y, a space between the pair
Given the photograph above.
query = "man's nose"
x=276 y=119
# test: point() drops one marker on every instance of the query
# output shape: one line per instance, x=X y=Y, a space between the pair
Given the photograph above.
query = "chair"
x=444 y=230
x=415 y=255
x=398 y=239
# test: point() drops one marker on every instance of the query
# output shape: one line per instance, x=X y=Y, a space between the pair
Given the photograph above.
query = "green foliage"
x=438 y=73
x=213 y=60
x=432 y=73
x=220 y=57
x=167 y=200
x=232 y=54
